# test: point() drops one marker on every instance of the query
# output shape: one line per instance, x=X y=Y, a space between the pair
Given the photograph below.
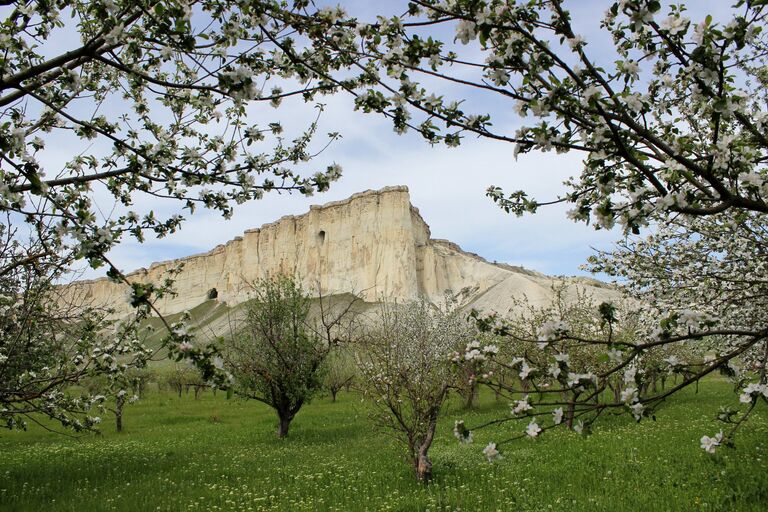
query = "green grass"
x=214 y=454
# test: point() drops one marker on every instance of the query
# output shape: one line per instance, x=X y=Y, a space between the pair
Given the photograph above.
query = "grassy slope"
x=214 y=454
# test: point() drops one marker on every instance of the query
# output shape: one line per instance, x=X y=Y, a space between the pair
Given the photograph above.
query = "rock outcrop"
x=374 y=244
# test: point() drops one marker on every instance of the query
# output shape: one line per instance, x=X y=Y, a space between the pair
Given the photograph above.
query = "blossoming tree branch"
x=107 y=106
x=671 y=123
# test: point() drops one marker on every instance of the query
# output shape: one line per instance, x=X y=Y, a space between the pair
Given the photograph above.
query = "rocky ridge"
x=374 y=243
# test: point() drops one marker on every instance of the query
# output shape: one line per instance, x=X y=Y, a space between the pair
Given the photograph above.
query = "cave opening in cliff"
x=321 y=236
x=213 y=293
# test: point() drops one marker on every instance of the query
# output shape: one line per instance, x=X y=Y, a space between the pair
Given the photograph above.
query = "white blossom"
x=674 y=24
x=629 y=395
x=575 y=41
x=709 y=444
x=521 y=406
x=466 y=31
x=461 y=432
x=491 y=453
x=533 y=429
x=591 y=92
x=752 y=390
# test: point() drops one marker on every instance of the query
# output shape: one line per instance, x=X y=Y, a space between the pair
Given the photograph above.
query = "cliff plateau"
x=374 y=244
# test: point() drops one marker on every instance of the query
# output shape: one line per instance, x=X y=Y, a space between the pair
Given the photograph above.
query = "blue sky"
x=447 y=185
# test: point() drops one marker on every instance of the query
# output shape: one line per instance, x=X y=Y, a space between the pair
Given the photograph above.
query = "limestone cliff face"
x=374 y=243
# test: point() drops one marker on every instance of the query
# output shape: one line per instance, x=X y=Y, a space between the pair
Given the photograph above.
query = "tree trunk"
x=284 y=425
x=571 y=410
x=471 y=395
x=119 y=402
x=422 y=463
x=423 y=467
x=569 y=414
x=616 y=392
x=333 y=394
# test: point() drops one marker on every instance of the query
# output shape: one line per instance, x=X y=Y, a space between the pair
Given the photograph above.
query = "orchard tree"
x=669 y=113
x=671 y=122
x=48 y=343
x=111 y=395
x=276 y=354
x=108 y=105
x=575 y=359
x=340 y=371
x=525 y=372
x=710 y=269
x=162 y=94
x=407 y=370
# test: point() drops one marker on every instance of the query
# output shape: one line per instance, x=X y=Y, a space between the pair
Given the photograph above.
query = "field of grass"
x=218 y=454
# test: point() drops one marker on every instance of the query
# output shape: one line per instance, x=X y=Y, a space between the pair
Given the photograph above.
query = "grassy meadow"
x=217 y=454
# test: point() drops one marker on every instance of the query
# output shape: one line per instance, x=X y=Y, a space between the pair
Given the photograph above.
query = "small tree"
x=184 y=376
x=106 y=102
x=340 y=371
x=49 y=343
x=668 y=109
x=119 y=399
x=407 y=371
x=276 y=356
x=138 y=379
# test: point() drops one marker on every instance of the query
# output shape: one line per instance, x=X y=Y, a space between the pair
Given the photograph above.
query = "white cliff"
x=374 y=244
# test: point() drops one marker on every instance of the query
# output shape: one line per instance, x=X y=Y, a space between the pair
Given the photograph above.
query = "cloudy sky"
x=447 y=185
